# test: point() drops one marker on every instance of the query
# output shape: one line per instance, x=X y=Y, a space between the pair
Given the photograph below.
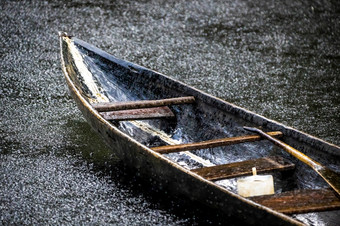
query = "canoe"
x=195 y=145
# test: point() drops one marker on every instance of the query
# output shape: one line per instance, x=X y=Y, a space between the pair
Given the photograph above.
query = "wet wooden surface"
x=109 y=106
x=134 y=114
x=244 y=168
x=300 y=201
x=153 y=165
x=211 y=143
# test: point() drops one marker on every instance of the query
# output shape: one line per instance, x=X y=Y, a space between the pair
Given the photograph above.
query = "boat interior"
x=195 y=132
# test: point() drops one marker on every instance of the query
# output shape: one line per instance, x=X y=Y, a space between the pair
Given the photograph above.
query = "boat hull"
x=172 y=177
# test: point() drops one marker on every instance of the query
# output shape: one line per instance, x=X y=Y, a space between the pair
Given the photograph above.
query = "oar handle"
x=302 y=157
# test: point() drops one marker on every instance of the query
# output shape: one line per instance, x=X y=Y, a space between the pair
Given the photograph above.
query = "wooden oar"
x=331 y=177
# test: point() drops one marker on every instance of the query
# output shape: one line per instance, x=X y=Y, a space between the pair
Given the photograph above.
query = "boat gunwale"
x=208 y=99
x=245 y=114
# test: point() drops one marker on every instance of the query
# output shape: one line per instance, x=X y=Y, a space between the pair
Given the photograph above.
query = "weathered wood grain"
x=138 y=114
x=109 y=106
x=243 y=168
x=300 y=201
x=211 y=143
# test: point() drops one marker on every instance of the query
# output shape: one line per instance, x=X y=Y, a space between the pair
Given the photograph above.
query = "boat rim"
x=128 y=64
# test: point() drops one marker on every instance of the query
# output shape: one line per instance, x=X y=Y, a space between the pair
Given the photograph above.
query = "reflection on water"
x=280 y=59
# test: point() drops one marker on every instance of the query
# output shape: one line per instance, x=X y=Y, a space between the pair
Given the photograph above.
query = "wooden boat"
x=194 y=144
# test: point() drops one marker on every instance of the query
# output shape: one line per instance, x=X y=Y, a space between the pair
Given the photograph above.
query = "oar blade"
x=331 y=177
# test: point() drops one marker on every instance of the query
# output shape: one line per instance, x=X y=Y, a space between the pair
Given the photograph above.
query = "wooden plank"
x=331 y=177
x=243 y=168
x=300 y=201
x=211 y=143
x=109 y=106
x=138 y=114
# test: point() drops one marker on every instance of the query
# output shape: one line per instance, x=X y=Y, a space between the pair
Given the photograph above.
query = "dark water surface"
x=278 y=58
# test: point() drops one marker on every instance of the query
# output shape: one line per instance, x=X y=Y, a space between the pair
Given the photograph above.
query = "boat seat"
x=144 y=109
x=244 y=168
x=138 y=114
x=300 y=201
x=212 y=143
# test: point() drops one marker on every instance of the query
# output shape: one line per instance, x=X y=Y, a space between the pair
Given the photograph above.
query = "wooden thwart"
x=330 y=176
x=243 y=168
x=300 y=201
x=108 y=106
x=211 y=143
x=138 y=114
